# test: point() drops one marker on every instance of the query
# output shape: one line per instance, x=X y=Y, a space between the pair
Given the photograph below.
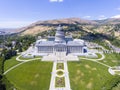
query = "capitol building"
x=60 y=44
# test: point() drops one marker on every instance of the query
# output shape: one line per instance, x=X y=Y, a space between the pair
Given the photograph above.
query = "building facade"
x=60 y=43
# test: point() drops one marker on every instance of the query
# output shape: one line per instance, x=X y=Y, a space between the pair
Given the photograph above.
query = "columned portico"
x=60 y=49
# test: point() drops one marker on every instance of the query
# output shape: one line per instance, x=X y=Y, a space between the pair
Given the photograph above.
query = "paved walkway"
x=97 y=60
x=103 y=56
x=18 y=59
x=22 y=62
x=13 y=67
x=53 y=75
x=52 y=57
x=67 y=81
x=100 y=63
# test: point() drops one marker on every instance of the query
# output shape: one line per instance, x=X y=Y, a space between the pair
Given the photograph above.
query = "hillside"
x=107 y=26
x=41 y=26
x=96 y=30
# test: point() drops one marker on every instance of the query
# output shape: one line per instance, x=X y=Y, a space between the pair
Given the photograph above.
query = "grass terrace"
x=99 y=55
x=10 y=63
x=112 y=59
x=84 y=74
x=33 y=75
x=117 y=72
x=22 y=58
x=87 y=75
x=60 y=73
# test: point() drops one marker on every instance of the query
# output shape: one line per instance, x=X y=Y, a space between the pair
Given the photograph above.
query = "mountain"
x=66 y=21
x=109 y=21
x=108 y=26
x=107 y=30
x=41 y=26
x=77 y=26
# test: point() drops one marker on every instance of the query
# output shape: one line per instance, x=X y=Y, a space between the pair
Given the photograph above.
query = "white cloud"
x=87 y=17
x=118 y=8
x=60 y=0
x=53 y=0
x=116 y=16
x=56 y=0
x=101 y=17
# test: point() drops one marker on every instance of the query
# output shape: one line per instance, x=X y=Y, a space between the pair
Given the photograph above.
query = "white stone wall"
x=53 y=49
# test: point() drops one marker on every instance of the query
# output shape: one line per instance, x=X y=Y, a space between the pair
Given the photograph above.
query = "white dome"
x=59 y=36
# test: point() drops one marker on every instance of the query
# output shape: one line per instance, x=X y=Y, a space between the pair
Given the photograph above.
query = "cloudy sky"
x=18 y=13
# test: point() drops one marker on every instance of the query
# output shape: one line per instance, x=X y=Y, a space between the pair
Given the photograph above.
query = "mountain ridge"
x=88 y=25
x=100 y=26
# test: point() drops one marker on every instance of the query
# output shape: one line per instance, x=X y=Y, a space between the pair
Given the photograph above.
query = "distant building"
x=60 y=43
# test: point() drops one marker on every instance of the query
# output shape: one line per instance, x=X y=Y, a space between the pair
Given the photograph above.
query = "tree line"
x=8 y=51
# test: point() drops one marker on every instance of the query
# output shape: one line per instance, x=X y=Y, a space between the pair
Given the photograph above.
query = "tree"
x=1 y=65
x=4 y=83
x=112 y=83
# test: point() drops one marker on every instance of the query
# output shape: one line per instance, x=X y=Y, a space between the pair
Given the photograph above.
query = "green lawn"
x=111 y=59
x=22 y=58
x=84 y=75
x=99 y=55
x=33 y=75
x=117 y=72
x=10 y=63
x=87 y=75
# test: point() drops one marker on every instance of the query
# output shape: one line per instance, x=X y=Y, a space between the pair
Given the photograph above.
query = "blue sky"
x=18 y=13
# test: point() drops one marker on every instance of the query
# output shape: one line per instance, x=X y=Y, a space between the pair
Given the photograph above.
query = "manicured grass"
x=60 y=73
x=84 y=75
x=87 y=75
x=10 y=63
x=38 y=56
x=117 y=72
x=22 y=58
x=33 y=75
x=99 y=55
x=112 y=59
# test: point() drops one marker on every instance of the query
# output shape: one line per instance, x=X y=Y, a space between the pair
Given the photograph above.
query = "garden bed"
x=60 y=66
x=59 y=82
